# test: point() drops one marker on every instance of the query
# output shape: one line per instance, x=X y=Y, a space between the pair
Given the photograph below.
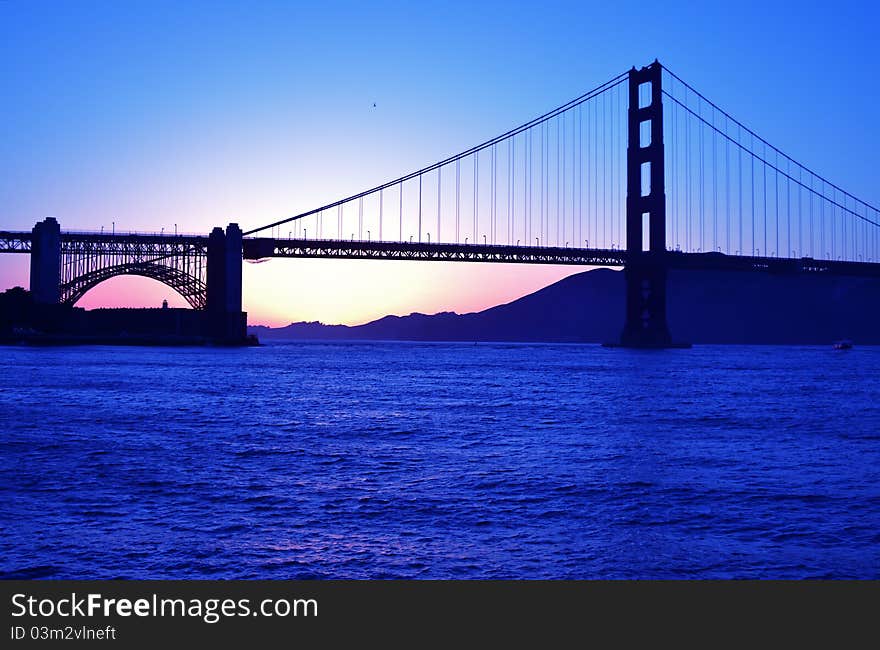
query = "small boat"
x=844 y=344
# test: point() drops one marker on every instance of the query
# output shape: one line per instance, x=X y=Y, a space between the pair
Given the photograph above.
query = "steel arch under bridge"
x=178 y=262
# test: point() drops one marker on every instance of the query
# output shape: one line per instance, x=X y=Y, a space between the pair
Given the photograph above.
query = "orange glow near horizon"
x=352 y=292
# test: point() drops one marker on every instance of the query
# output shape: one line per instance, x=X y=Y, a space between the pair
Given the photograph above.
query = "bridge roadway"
x=104 y=242
x=257 y=248
x=264 y=248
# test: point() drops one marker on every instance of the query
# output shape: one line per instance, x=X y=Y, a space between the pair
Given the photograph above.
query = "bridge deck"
x=15 y=242
x=721 y=262
x=267 y=247
x=263 y=248
x=20 y=241
x=260 y=248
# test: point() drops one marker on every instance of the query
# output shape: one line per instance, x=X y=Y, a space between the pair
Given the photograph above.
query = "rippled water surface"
x=375 y=460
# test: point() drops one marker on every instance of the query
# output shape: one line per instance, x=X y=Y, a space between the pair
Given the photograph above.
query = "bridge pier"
x=646 y=325
x=225 y=319
x=646 y=269
x=45 y=277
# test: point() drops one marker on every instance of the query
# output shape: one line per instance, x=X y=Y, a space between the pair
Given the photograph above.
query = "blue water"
x=380 y=460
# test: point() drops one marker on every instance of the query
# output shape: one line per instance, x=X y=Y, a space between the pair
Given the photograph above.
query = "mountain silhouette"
x=703 y=307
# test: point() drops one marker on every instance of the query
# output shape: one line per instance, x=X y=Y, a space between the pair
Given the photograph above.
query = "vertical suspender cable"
x=530 y=138
x=476 y=193
x=833 y=224
x=457 y=198
x=702 y=174
x=810 y=194
x=541 y=192
x=714 y=184
x=673 y=169
x=604 y=173
x=739 y=188
x=494 y=190
x=776 y=196
x=580 y=174
x=752 y=166
x=558 y=189
x=439 y=193
x=510 y=153
x=727 y=183
x=687 y=162
x=564 y=178
x=596 y=172
x=800 y=211
x=764 y=170
x=613 y=159
x=527 y=158
x=822 y=251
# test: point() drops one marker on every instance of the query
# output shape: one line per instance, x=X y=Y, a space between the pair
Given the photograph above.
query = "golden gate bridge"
x=641 y=172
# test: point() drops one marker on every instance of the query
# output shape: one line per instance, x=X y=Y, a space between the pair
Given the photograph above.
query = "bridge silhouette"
x=642 y=172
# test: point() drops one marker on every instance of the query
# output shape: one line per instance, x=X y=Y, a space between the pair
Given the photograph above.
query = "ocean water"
x=419 y=460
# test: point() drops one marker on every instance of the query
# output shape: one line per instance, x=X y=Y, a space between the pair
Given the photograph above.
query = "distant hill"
x=704 y=307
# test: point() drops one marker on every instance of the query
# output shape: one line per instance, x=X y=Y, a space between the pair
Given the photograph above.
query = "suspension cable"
x=791 y=178
x=763 y=141
x=598 y=90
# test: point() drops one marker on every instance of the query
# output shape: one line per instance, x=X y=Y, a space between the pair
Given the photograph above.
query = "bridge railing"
x=131 y=233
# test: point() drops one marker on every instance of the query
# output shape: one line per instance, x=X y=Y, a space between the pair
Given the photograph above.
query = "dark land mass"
x=703 y=307
x=24 y=321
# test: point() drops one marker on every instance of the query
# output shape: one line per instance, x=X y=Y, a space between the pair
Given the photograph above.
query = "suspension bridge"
x=641 y=172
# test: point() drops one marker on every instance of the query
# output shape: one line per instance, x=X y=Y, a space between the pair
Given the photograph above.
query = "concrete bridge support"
x=46 y=262
x=226 y=320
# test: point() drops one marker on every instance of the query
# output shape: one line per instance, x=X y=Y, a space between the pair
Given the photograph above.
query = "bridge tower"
x=46 y=261
x=645 y=271
x=226 y=320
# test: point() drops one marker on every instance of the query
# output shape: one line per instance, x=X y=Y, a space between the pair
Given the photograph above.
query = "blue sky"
x=196 y=114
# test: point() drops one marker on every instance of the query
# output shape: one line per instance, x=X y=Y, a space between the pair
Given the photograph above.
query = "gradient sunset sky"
x=197 y=114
